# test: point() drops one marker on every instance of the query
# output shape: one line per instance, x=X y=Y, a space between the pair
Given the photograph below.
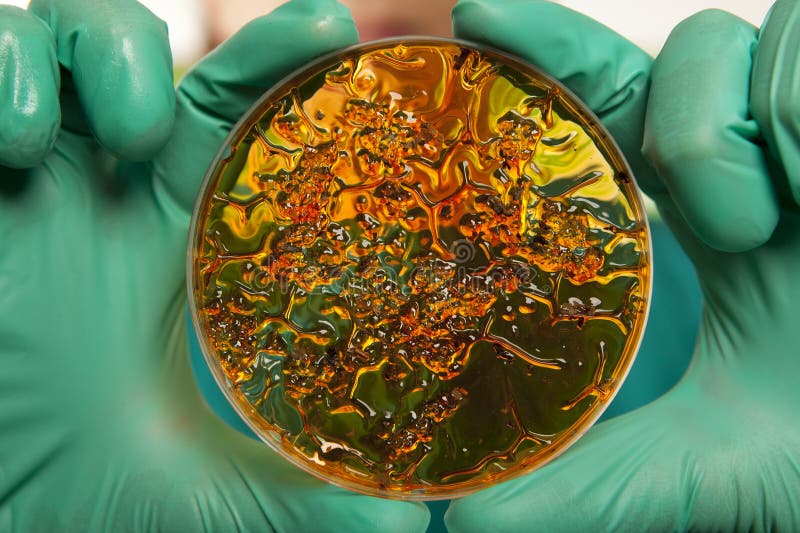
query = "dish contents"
x=419 y=268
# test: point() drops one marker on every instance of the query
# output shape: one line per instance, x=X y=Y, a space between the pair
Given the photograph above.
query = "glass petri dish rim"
x=270 y=436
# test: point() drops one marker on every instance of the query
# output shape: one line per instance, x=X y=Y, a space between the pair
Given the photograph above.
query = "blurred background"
x=197 y=25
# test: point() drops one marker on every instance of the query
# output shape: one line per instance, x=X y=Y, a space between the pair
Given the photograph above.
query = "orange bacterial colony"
x=418 y=268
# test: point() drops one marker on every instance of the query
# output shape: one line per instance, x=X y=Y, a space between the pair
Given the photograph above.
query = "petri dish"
x=419 y=267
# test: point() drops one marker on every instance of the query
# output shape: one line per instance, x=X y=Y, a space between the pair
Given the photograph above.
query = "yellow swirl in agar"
x=421 y=269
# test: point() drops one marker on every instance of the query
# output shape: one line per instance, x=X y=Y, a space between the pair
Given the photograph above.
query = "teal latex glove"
x=101 y=425
x=721 y=450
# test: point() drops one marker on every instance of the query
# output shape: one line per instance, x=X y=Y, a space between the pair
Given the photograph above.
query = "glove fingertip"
x=328 y=23
x=135 y=129
x=465 y=14
x=120 y=62
x=472 y=16
x=402 y=516
x=774 y=90
x=131 y=108
x=27 y=148
x=742 y=231
x=729 y=204
x=700 y=137
x=30 y=114
x=462 y=518
x=29 y=132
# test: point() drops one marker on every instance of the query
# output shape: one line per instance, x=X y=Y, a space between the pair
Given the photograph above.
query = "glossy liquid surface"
x=420 y=269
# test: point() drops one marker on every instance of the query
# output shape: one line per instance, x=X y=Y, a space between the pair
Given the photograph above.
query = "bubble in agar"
x=418 y=268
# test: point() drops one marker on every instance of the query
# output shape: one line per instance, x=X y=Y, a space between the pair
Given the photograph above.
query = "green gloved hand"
x=721 y=450
x=101 y=425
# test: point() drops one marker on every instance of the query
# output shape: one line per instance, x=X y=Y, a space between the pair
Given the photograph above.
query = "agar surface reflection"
x=420 y=269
